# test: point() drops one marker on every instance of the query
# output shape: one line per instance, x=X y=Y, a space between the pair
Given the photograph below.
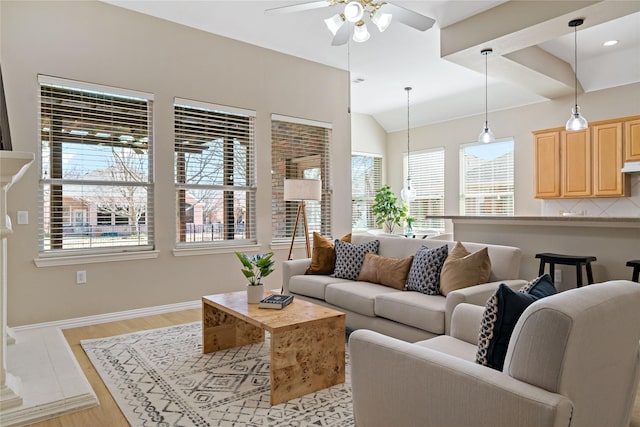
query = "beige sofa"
x=406 y=315
x=573 y=360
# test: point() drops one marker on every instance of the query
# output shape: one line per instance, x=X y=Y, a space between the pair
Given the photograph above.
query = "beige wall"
x=368 y=137
x=99 y=43
x=517 y=123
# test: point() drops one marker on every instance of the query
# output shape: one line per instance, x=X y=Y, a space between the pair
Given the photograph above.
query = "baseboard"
x=112 y=317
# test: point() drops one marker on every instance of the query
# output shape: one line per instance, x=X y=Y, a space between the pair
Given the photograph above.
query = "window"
x=96 y=179
x=486 y=179
x=427 y=177
x=366 y=178
x=214 y=174
x=299 y=150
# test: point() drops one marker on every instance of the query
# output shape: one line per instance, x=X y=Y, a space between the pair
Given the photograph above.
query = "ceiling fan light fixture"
x=360 y=32
x=382 y=20
x=335 y=22
x=576 y=120
x=353 y=11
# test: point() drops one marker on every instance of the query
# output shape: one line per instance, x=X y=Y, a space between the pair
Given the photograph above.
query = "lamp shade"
x=302 y=189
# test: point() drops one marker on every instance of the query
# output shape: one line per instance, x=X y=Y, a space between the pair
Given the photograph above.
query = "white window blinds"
x=366 y=178
x=214 y=174
x=300 y=149
x=486 y=178
x=97 y=177
x=427 y=177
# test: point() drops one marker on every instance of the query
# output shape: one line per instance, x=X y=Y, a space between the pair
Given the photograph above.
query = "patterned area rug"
x=161 y=378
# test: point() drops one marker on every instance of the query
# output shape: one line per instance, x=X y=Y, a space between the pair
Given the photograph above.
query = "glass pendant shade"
x=360 y=33
x=334 y=23
x=577 y=120
x=382 y=20
x=408 y=193
x=486 y=136
x=353 y=11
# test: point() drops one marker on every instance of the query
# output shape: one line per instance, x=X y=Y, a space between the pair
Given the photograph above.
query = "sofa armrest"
x=466 y=321
x=477 y=295
x=395 y=383
x=291 y=268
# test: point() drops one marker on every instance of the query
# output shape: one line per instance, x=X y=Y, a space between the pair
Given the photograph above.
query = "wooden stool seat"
x=576 y=260
x=635 y=263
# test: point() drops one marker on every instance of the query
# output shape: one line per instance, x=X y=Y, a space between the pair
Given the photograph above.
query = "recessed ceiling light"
x=610 y=43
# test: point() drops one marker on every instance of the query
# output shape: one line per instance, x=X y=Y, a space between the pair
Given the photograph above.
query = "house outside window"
x=366 y=178
x=486 y=178
x=96 y=183
x=300 y=149
x=427 y=177
x=214 y=174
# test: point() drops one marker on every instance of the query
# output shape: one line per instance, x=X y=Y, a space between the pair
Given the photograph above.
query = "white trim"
x=212 y=250
x=74 y=84
x=362 y=153
x=112 y=317
x=55 y=261
x=301 y=121
x=213 y=107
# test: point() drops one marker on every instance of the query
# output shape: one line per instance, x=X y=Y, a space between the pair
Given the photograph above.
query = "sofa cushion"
x=451 y=346
x=500 y=316
x=349 y=258
x=323 y=258
x=311 y=285
x=462 y=269
x=386 y=271
x=415 y=309
x=358 y=297
x=424 y=275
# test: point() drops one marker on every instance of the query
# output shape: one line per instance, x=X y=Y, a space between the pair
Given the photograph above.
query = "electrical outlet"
x=557 y=276
x=81 y=277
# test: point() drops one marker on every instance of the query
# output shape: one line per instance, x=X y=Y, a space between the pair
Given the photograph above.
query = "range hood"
x=631 y=167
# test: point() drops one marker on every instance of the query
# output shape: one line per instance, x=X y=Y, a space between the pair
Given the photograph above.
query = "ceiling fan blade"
x=298 y=7
x=409 y=17
x=342 y=36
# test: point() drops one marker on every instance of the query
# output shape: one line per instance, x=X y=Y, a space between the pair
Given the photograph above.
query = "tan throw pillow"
x=323 y=258
x=462 y=269
x=386 y=271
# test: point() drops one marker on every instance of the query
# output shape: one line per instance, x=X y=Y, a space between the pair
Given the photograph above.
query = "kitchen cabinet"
x=632 y=140
x=585 y=163
x=607 y=160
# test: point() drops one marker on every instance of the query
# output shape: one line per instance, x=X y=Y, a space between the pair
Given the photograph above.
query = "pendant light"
x=408 y=193
x=577 y=120
x=486 y=135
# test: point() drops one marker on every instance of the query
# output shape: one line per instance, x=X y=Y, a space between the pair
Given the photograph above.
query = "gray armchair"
x=573 y=360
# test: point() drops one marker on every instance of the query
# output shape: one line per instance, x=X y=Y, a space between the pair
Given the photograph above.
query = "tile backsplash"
x=625 y=207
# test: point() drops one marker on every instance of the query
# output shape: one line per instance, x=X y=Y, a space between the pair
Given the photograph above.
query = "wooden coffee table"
x=307 y=340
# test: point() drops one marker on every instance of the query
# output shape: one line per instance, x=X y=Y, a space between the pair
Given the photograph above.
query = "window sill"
x=55 y=261
x=212 y=250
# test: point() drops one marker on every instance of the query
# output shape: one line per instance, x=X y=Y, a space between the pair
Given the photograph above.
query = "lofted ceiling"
x=532 y=60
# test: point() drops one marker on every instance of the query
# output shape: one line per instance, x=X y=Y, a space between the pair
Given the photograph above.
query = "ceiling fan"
x=380 y=13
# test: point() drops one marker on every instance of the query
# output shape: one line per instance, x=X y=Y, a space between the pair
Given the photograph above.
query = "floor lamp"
x=301 y=190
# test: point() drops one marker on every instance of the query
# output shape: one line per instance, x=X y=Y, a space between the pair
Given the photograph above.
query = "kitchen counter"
x=564 y=221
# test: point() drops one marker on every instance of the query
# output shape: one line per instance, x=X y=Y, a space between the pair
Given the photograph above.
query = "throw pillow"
x=500 y=316
x=462 y=269
x=349 y=258
x=386 y=271
x=323 y=258
x=424 y=275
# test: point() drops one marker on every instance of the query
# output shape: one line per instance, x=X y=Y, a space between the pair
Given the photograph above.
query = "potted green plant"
x=255 y=268
x=386 y=209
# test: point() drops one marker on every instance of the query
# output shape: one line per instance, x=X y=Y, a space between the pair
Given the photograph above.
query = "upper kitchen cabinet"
x=632 y=140
x=547 y=165
x=607 y=160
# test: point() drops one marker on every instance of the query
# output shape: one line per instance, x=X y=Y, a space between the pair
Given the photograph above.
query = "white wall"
x=368 y=137
x=103 y=44
x=517 y=123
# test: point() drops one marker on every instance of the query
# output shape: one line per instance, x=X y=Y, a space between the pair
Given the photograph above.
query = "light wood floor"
x=108 y=414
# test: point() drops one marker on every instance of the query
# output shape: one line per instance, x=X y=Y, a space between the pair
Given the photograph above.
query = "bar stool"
x=635 y=263
x=577 y=261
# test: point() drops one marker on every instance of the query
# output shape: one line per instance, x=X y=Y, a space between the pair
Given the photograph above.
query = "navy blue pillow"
x=500 y=316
